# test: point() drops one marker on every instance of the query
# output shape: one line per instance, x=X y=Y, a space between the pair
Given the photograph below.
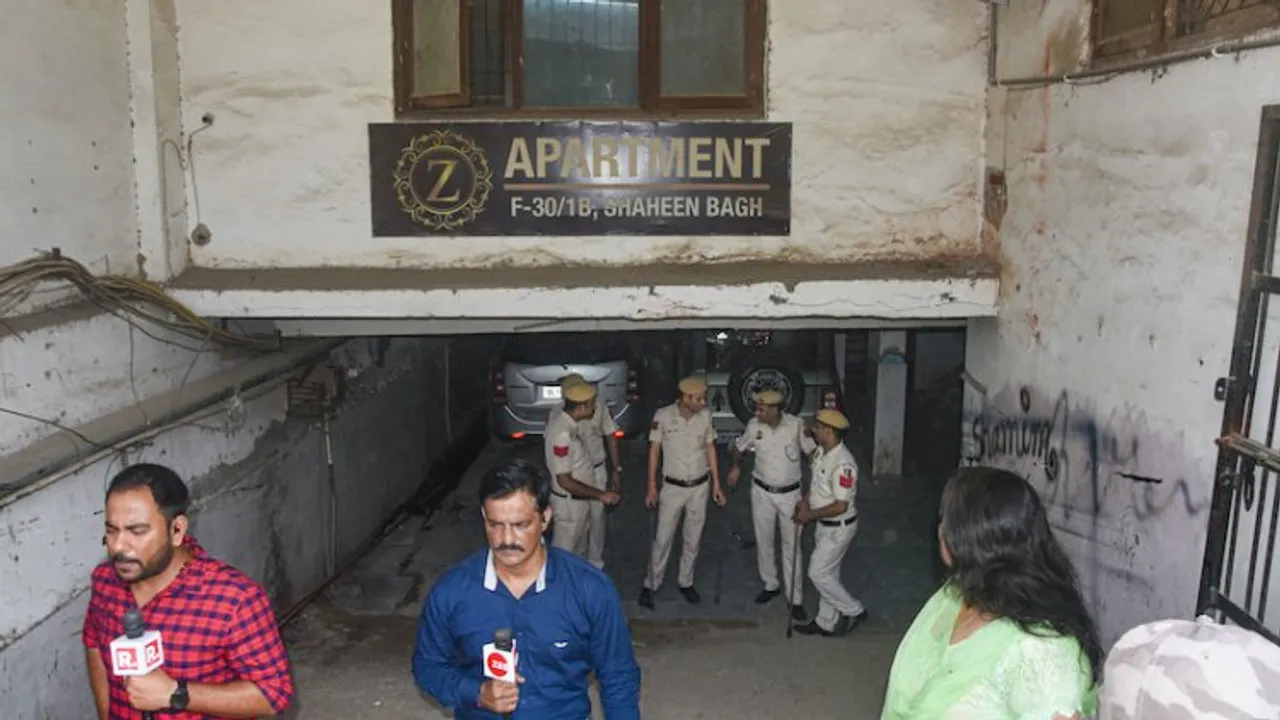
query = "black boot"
x=766 y=595
x=810 y=628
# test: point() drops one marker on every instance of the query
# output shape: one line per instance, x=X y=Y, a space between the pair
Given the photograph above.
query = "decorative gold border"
x=470 y=153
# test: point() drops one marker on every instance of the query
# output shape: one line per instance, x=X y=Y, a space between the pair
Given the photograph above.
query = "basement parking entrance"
x=351 y=646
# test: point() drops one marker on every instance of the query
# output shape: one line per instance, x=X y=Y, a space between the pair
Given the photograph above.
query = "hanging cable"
x=129 y=298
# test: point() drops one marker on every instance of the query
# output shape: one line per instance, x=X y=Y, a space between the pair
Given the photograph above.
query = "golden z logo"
x=443 y=180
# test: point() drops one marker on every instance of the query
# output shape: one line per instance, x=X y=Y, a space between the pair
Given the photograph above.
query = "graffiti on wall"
x=1080 y=462
x=1040 y=439
x=1114 y=487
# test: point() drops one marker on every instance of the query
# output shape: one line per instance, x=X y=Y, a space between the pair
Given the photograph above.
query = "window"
x=580 y=57
x=1142 y=28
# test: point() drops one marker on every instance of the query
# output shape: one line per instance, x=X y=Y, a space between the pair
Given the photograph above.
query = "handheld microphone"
x=500 y=658
x=138 y=651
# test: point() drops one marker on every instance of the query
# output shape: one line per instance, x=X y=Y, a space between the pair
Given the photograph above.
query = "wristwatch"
x=179 y=699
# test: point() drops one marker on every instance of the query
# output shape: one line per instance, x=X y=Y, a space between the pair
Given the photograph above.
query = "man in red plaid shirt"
x=223 y=654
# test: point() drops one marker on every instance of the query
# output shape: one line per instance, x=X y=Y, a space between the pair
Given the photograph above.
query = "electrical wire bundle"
x=120 y=296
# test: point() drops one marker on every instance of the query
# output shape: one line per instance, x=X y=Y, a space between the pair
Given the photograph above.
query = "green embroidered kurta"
x=999 y=672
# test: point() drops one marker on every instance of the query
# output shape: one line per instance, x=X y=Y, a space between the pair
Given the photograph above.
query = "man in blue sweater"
x=565 y=615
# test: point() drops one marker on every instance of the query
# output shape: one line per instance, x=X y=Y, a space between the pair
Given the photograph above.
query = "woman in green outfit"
x=1007 y=637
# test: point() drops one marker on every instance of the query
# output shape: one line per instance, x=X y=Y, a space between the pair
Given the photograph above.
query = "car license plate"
x=550 y=392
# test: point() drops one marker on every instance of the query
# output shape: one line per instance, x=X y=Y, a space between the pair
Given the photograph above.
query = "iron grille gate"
x=1244 y=513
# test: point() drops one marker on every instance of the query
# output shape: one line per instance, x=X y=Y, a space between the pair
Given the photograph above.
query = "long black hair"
x=1006 y=562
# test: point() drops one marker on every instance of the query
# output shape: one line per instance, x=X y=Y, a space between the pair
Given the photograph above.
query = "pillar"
x=888 y=354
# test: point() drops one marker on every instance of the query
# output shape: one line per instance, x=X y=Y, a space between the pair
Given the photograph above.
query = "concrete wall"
x=260 y=483
x=67 y=178
x=1121 y=248
x=93 y=147
x=887 y=101
x=71 y=367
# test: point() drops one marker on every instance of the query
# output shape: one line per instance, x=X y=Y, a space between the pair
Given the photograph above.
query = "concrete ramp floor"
x=352 y=647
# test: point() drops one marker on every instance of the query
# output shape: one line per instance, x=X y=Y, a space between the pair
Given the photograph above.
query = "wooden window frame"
x=1166 y=40
x=653 y=105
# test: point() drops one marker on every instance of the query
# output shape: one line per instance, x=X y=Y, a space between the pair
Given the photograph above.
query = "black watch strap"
x=179 y=699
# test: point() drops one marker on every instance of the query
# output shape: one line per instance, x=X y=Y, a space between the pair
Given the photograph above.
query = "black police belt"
x=687 y=483
x=840 y=523
x=774 y=489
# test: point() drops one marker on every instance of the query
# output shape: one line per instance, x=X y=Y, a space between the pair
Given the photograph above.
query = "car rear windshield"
x=560 y=348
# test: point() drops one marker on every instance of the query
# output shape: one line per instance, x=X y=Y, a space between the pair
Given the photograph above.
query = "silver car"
x=525 y=379
x=739 y=364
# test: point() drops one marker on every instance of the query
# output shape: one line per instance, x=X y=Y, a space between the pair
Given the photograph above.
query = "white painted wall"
x=1121 y=249
x=67 y=179
x=887 y=101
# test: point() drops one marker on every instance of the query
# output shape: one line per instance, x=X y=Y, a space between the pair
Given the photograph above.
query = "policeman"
x=569 y=465
x=778 y=440
x=831 y=504
x=683 y=439
x=595 y=431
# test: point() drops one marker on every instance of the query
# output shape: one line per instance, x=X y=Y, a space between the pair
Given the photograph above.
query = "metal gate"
x=1237 y=577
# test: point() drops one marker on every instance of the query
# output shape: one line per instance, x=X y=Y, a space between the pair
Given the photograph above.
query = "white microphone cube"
x=500 y=664
x=137 y=656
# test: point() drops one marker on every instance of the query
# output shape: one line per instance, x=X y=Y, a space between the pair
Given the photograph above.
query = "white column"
x=888 y=350
x=155 y=109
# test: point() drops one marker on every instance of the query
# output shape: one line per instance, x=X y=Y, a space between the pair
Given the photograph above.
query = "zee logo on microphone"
x=497 y=663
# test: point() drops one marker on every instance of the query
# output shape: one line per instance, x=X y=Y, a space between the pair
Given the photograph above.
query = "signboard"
x=580 y=178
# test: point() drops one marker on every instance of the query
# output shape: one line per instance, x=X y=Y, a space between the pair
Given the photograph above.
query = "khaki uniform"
x=835 y=477
x=566 y=455
x=593 y=431
x=684 y=461
x=775 y=490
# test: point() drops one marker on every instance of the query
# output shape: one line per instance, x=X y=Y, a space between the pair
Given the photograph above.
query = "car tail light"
x=498 y=384
x=518 y=435
x=831 y=399
x=619 y=434
x=633 y=381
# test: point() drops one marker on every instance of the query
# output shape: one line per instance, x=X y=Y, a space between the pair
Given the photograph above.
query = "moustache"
x=512 y=548
x=122 y=560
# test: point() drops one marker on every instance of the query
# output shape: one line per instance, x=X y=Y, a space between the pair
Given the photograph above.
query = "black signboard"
x=580 y=178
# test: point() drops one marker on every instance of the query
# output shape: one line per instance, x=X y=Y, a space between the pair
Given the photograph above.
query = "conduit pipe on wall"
x=993 y=40
x=1105 y=73
x=457 y=459
x=332 y=564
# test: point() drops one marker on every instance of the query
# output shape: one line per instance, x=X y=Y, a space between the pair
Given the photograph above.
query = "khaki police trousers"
x=829 y=547
x=570 y=518
x=771 y=516
x=596 y=519
x=673 y=502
